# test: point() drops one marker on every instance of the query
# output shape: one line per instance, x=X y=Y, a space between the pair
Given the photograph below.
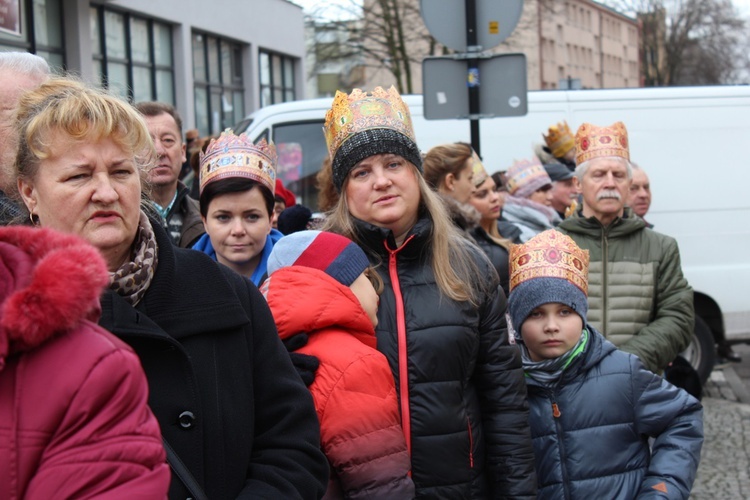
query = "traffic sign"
x=495 y=21
x=446 y=82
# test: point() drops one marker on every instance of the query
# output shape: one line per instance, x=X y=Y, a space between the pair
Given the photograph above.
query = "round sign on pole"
x=495 y=21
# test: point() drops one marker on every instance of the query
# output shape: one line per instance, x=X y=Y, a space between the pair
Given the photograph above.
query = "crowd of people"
x=433 y=331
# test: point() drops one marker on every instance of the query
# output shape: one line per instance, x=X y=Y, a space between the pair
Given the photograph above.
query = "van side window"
x=302 y=148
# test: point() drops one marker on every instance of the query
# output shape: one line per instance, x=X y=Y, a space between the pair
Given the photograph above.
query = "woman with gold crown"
x=441 y=321
x=220 y=382
x=237 y=182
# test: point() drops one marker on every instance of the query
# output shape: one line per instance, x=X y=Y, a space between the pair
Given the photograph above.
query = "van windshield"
x=301 y=148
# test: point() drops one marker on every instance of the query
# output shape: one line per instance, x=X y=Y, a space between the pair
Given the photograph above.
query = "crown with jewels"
x=526 y=176
x=359 y=111
x=559 y=139
x=480 y=174
x=550 y=254
x=598 y=142
x=236 y=156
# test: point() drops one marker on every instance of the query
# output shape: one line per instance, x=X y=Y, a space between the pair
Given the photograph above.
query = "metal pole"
x=472 y=75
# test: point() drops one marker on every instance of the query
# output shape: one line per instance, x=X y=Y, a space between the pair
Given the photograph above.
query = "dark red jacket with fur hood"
x=73 y=416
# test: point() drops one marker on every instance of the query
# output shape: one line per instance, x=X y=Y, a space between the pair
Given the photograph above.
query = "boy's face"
x=551 y=330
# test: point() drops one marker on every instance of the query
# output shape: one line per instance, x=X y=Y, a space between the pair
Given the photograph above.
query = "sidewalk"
x=724 y=471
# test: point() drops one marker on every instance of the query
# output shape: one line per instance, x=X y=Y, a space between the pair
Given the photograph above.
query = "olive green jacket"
x=638 y=297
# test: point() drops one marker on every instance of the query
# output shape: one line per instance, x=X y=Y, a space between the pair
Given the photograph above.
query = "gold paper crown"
x=480 y=174
x=550 y=254
x=236 y=156
x=597 y=142
x=529 y=173
x=559 y=139
x=358 y=111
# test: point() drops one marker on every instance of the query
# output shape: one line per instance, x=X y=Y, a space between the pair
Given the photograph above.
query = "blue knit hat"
x=336 y=255
x=548 y=268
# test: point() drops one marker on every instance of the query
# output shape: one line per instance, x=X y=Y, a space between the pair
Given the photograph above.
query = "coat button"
x=186 y=419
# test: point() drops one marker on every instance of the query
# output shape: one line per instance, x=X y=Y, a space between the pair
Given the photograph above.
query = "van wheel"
x=701 y=353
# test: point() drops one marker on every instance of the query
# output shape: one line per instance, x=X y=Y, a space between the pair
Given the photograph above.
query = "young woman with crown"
x=441 y=319
x=237 y=181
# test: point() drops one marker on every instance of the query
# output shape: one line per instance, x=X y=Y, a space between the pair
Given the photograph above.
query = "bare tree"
x=687 y=42
x=392 y=36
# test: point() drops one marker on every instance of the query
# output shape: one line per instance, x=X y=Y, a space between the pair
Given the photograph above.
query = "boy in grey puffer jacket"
x=593 y=407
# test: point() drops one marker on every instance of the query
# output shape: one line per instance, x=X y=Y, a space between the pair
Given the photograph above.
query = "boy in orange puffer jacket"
x=318 y=285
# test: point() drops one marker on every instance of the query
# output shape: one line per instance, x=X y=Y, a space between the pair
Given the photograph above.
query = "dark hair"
x=233 y=185
x=154 y=108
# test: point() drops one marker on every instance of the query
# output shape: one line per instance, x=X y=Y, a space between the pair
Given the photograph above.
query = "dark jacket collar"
x=376 y=238
x=189 y=295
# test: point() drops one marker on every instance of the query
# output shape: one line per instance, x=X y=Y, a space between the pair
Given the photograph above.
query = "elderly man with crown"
x=639 y=298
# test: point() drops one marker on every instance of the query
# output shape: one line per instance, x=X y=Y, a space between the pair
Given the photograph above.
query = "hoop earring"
x=34 y=220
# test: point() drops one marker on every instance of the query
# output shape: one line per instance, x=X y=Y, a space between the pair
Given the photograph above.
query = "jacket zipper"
x=403 y=358
x=605 y=256
x=556 y=413
x=471 y=444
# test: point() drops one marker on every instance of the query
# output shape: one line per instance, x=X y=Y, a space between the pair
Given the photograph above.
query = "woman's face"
x=542 y=196
x=383 y=190
x=91 y=189
x=462 y=185
x=238 y=224
x=487 y=200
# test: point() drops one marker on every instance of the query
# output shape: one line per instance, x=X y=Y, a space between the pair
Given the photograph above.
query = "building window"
x=37 y=28
x=276 y=79
x=219 y=90
x=132 y=55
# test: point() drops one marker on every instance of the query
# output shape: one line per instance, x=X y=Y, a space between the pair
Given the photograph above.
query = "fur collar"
x=49 y=283
x=463 y=215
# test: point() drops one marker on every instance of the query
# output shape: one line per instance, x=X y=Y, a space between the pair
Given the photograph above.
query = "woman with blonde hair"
x=221 y=384
x=441 y=321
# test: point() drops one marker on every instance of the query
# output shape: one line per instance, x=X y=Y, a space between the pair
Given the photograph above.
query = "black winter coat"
x=220 y=382
x=459 y=380
x=497 y=254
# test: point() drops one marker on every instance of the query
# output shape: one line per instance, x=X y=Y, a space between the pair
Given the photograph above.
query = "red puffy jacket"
x=354 y=392
x=73 y=416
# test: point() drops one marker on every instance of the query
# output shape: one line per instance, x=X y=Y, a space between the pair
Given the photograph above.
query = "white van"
x=690 y=140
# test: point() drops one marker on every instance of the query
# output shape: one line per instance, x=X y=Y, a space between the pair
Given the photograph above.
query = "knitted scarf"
x=549 y=371
x=133 y=278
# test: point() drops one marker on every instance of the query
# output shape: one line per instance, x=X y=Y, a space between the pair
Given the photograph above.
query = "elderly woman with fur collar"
x=528 y=205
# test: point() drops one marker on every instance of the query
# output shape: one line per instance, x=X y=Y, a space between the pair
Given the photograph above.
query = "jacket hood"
x=306 y=300
x=598 y=348
x=621 y=226
x=49 y=283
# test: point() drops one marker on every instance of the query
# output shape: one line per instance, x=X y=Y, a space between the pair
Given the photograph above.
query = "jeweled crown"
x=598 y=142
x=478 y=170
x=526 y=173
x=559 y=139
x=236 y=156
x=549 y=254
x=358 y=111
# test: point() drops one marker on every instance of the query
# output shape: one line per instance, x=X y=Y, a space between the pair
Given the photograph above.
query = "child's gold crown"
x=550 y=254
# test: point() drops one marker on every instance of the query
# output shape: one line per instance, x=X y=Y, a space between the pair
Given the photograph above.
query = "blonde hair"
x=452 y=261
x=82 y=112
x=327 y=194
x=443 y=160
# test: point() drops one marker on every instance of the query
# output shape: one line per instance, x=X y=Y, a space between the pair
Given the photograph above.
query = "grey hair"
x=25 y=63
x=583 y=167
